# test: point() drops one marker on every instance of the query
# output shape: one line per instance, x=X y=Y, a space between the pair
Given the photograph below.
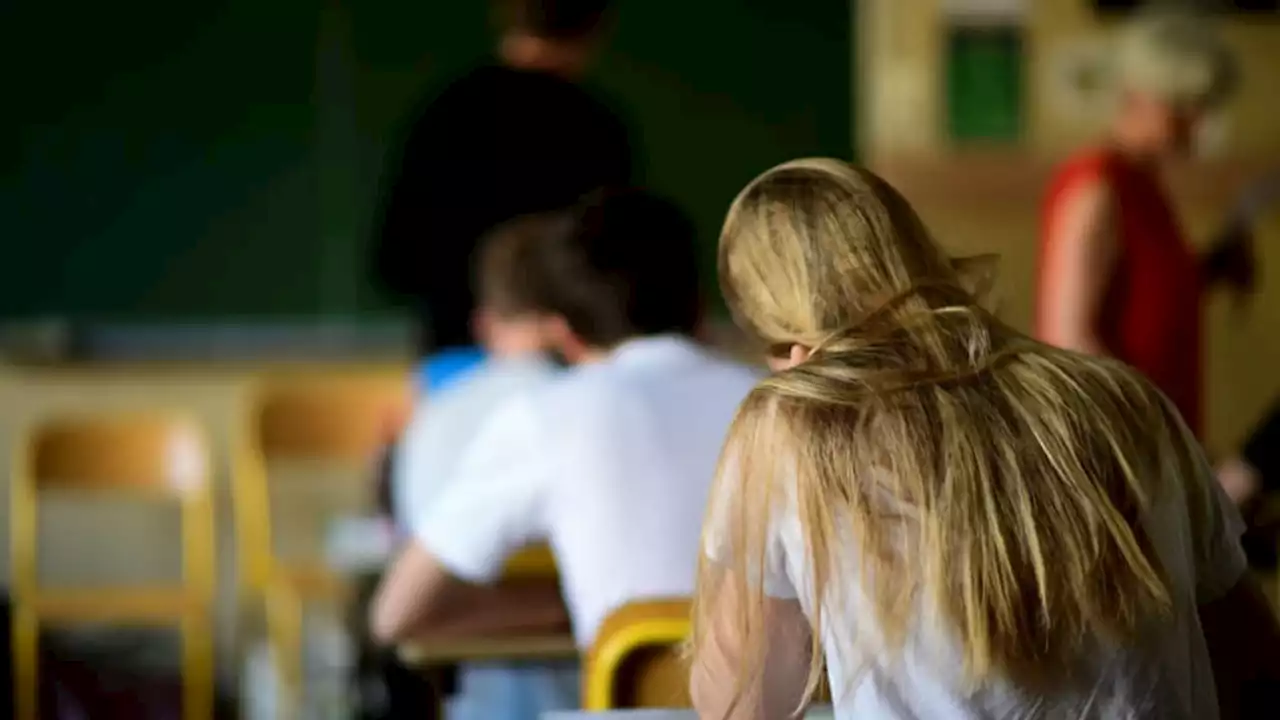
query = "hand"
x=1232 y=260
x=1239 y=479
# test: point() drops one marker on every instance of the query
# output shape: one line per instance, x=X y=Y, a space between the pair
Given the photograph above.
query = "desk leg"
x=415 y=694
x=388 y=689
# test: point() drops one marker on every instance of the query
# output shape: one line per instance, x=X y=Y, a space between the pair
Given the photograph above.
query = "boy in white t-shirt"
x=610 y=463
x=515 y=336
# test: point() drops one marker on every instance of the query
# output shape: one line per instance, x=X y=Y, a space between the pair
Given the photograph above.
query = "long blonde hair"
x=979 y=480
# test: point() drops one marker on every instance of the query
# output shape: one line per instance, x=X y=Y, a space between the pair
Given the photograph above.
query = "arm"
x=423 y=208
x=752 y=646
x=1230 y=260
x=1239 y=480
x=491 y=508
x=1080 y=257
x=621 y=168
x=1262 y=449
x=419 y=597
x=1240 y=629
x=401 y=215
x=1255 y=471
x=1243 y=639
x=778 y=690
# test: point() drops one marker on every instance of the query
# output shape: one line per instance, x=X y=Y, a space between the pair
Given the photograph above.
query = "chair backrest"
x=635 y=661
x=341 y=418
x=333 y=418
x=535 y=561
x=161 y=456
x=158 y=455
x=155 y=453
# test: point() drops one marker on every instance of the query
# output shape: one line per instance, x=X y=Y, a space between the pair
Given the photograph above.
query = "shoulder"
x=1126 y=398
x=1090 y=172
x=592 y=384
x=602 y=103
x=585 y=107
x=1091 y=163
x=1082 y=191
x=479 y=80
x=444 y=368
x=454 y=100
x=483 y=390
x=735 y=377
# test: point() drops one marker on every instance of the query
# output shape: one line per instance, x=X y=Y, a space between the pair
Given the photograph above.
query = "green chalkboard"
x=220 y=158
x=721 y=90
x=163 y=158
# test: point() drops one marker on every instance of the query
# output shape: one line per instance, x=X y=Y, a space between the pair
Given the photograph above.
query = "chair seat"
x=135 y=605
x=536 y=561
x=438 y=651
x=314 y=582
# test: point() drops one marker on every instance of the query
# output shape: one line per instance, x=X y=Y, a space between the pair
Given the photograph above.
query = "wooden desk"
x=818 y=713
x=450 y=652
x=533 y=562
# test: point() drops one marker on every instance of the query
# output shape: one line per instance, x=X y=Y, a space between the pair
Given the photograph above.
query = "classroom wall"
x=158 y=158
x=902 y=82
x=986 y=199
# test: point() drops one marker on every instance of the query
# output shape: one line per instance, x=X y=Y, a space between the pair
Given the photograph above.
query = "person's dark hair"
x=625 y=267
x=505 y=280
x=552 y=19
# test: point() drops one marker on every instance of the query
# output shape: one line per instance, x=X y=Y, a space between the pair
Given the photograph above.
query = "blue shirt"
x=443 y=368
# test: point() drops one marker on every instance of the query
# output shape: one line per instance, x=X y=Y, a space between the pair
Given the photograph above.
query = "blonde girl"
x=934 y=515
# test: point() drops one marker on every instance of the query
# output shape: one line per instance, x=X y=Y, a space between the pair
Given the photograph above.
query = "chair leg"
x=26 y=664
x=197 y=668
x=284 y=632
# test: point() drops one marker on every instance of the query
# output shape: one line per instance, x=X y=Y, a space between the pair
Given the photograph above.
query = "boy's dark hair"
x=625 y=265
x=552 y=19
x=506 y=281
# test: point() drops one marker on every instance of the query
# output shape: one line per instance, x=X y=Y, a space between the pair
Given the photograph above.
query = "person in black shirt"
x=516 y=137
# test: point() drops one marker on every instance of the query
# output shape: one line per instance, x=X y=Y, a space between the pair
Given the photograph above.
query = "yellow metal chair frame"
x=329 y=416
x=335 y=416
x=628 y=631
x=152 y=456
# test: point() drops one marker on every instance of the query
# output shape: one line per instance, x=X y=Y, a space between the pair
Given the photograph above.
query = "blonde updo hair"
x=807 y=300
x=943 y=463
x=1178 y=58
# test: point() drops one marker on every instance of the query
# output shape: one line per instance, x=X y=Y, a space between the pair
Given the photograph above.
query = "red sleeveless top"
x=1151 y=313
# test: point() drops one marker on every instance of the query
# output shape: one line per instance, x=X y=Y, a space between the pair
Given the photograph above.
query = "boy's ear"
x=481 y=325
x=978 y=275
x=564 y=340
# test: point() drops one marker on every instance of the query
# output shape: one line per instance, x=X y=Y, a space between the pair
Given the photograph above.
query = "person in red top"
x=1117 y=276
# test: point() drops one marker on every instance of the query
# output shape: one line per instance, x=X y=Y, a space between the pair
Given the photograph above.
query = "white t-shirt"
x=1168 y=678
x=610 y=464
x=445 y=422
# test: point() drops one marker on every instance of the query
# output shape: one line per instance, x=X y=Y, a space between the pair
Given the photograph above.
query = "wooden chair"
x=340 y=419
x=336 y=419
x=536 y=561
x=635 y=660
x=162 y=457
